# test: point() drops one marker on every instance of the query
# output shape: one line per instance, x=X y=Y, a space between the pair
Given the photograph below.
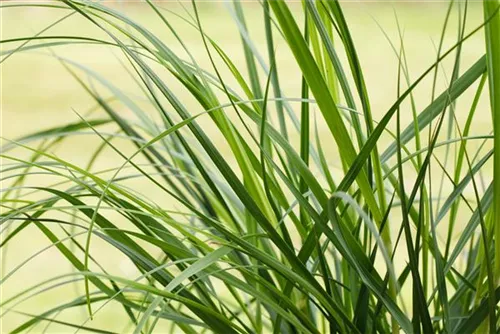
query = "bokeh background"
x=37 y=92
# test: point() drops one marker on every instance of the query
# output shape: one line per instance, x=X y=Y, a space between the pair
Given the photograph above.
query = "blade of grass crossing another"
x=324 y=98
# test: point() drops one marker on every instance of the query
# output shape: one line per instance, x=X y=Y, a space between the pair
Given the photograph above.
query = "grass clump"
x=274 y=227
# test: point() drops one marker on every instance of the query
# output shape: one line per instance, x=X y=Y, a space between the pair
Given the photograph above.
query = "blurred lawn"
x=37 y=93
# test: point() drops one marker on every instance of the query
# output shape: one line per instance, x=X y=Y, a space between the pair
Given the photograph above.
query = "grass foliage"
x=280 y=228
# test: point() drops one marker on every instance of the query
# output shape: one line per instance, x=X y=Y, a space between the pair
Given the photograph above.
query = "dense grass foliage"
x=276 y=227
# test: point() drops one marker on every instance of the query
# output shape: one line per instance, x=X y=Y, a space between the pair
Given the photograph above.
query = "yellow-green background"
x=37 y=93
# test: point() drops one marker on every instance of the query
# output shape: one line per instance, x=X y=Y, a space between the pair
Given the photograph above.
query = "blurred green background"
x=38 y=93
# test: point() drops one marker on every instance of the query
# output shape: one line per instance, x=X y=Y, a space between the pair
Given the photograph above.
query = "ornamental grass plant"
x=208 y=197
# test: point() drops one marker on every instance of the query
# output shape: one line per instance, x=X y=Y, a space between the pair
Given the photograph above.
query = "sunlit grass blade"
x=491 y=13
